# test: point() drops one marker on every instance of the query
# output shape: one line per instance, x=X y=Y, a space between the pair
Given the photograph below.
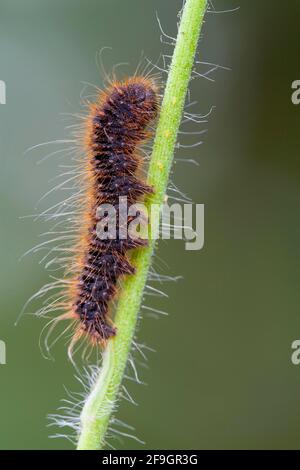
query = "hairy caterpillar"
x=116 y=125
x=109 y=168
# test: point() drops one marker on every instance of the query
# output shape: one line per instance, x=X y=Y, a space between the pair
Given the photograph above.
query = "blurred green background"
x=222 y=375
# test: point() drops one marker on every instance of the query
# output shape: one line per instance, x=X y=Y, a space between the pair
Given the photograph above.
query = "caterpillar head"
x=142 y=99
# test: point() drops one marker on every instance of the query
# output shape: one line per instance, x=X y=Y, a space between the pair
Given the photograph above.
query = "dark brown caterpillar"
x=115 y=127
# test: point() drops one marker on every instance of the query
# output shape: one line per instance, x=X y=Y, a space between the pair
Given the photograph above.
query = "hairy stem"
x=100 y=403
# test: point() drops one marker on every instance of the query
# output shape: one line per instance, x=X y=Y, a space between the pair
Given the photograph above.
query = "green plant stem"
x=100 y=403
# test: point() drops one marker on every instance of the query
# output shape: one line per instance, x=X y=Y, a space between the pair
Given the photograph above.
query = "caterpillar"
x=115 y=127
